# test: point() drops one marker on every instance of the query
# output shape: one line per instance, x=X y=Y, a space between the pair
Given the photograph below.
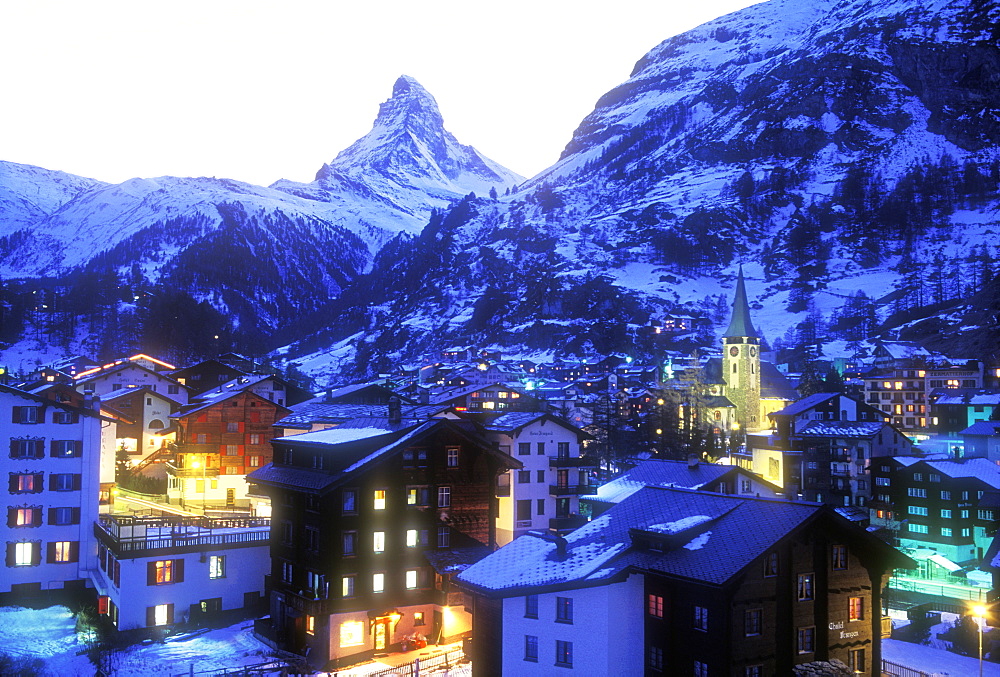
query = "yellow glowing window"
x=887 y=385
x=378 y=582
x=899 y=385
x=352 y=633
x=310 y=625
x=411 y=538
x=380 y=499
x=489 y=405
x=411 y=579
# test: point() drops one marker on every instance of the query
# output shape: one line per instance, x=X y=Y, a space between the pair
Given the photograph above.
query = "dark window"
x=752 y=622
x=531 y=648
x=531 y=606
x=350 y=505
x=771 y=564
x=807 y=639
x=700 y=618
x=524 y=510
x=839 y=557
x=65 y=448
x=564 y=654
x=26 y=415
x=444 y=537
x=27 y=449
x=64 y=482
x=654 y=658
x=523 y=448
x=564 y=609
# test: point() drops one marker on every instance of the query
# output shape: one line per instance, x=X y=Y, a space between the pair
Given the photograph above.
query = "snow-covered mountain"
x=844 y=151
x=264 y=257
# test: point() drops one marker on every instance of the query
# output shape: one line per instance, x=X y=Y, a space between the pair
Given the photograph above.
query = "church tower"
x=741 y=361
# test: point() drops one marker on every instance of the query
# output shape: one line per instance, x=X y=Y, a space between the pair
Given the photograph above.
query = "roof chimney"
x=395 y=410
x=692 y=461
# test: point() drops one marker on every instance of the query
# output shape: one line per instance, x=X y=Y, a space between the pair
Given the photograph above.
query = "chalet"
x=955 y=409
x=545 y=492
x=935 y=504
x=678 y=582
x=206 y=375
x=218 y=442
x=371 y=520
x=131 y=373
x=60 y=472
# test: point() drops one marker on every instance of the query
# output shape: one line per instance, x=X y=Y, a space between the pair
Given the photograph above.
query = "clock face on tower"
x=753 y=351
x=734 y=351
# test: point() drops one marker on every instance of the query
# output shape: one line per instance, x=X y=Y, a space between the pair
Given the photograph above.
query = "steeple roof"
x=741 y=324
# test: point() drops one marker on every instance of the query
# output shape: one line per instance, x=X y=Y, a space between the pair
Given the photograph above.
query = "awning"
x=945 y=563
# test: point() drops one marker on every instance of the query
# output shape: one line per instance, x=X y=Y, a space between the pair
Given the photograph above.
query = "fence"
x=418 y=667
x=890 y=668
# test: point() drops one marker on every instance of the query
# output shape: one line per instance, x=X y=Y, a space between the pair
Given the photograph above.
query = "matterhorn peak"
x=410 y=147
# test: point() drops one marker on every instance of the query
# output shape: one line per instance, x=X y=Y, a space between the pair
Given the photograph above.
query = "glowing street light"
x=980 y=612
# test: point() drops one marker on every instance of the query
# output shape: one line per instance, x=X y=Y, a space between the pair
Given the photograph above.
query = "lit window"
x=379 y=541
x=163 y=614
x=378 y=582
x=26 y=554
x=310 y=625
x=347 y=586
x=379 y=499
x=857 y=609
x=418 y=617
x=352 y=633
x=62 y=551
x=163 y=572
x=411 y=579
x=411 y=538
x=217 y=566
x=654 y=606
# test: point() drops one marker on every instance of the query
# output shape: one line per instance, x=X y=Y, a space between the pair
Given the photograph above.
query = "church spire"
x=740 y=324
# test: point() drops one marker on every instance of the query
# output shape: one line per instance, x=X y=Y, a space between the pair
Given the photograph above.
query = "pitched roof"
x=966 y=396
x=516 y=420
x=741 y=324
x=774 y=384
x=659 y=473
x=305 y=414
x=842 y=429
x=982 y=428
x=805 y=404
x=717 y=536
x=980 y=468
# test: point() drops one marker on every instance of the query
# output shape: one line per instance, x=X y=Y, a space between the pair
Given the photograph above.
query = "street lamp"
x=980 y=611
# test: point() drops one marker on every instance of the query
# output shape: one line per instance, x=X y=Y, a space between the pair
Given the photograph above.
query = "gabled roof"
x=107 y=370
x=200 y=405
x=966 y=396
x=983 y=428
x=979 y=468
x=805 y=404
x=45 y=401
x=358 y=445
x=716 y=537
x=238 y=384
x=865 y=429
x=122 y=392
x=774 y=384
x=515 y=421
x=660 y=473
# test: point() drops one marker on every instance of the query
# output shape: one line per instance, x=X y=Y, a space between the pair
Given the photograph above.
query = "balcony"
x=571 y=462
x=570 y=489
x=567 y=523
x=137 y=536
x=197 y=473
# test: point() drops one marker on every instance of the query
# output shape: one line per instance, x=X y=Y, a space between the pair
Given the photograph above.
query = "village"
x=702 y=515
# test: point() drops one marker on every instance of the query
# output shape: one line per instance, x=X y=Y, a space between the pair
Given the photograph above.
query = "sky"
x=258 y=91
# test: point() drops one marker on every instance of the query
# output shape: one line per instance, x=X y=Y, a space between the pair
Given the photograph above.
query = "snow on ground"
x=48 y=634
x=934 y=661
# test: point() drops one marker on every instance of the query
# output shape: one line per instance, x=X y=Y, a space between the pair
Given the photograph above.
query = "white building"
x=150 y=412
x=135 y=372
x=157 y=571
x=545 y=493
x=58 y=455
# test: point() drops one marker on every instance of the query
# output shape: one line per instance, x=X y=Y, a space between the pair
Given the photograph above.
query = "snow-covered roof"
x=982 y=428
x=980 y=468
x=805 y=404
x=335 y=435
x=659 y=473
x=966 y=396
x=726 y=534
x=842 y=429
x=235 y=385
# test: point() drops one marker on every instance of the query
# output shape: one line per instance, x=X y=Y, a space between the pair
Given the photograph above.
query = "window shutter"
x=50 y=555
x=170 y=613
x=150 y=580
x=76 y=516
x=39 y=448
x=36 y=483
x=11 y=516
x=76 y=417
x=13 y=448
x=12 y=483
x=52 y=515
x=10 y=554
x=52 y=481
x=36 y=553
x=76 y=482
x=178 y=570
x=15 y=414
x=77 y=448
x=150 y=616
x=74 y=551
x=36 y=517
x=52 y=448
